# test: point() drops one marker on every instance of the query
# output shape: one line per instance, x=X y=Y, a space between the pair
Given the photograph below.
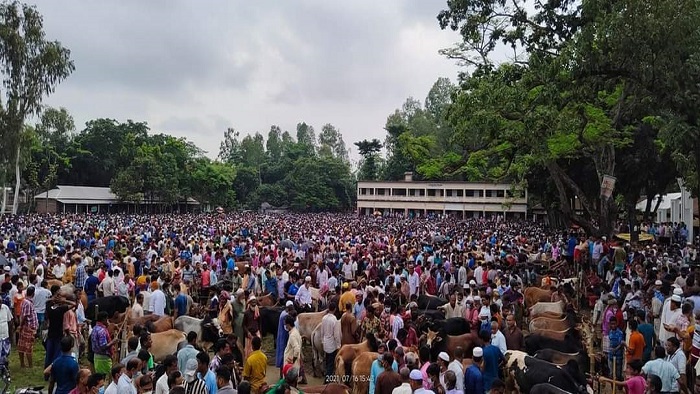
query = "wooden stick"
x=614 y=383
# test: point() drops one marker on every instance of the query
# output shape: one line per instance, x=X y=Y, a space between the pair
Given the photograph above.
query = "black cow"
x=547 y=388
x=535 y=342
x=427 y=315
x=429 y=302
x=451 y=326
x=269 y=320
x=556 y=357
x=528 y=371
x=110 y=304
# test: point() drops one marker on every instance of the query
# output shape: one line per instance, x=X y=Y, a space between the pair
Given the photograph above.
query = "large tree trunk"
x=15 y=202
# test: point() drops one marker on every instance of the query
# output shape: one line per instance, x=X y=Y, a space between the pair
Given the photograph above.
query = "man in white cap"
x=473 y=378
x=303 y=296
x=282 y=336
x=236 y=280
x=193 y=384
x=416 y=378
x=657 y=303
x=670 y=315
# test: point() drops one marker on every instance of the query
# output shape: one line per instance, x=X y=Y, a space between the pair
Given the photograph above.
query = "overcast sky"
x=193 y=68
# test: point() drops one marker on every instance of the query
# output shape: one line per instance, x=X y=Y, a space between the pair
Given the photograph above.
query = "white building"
x=420 y=198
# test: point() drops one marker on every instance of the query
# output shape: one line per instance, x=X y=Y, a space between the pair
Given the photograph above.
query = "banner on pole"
x=607 y=186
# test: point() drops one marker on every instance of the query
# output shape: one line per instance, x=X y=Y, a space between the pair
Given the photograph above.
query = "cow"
x=429 y=314
x=436 y=343
x=208 y=330
x=317 y=352
x=568 y=334
x=525 y=372
x=430 y=302
x=269 y=320
x=347 y=353
x=142 y=321
x=548 y=323
x=267 y=300
x=361 y=368
x=534 y=342
x=110 y=304
x=547 y=388
x=308 y=322
x=544 y=307
x=451 y=326
x=163 y=324
x=330 y=388
x=533 y=295
x=559 y=358
x=166 y=343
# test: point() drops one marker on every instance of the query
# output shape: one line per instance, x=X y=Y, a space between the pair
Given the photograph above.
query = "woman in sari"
x=251 y=324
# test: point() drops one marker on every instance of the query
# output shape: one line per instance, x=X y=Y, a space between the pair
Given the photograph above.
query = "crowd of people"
x=367 y=272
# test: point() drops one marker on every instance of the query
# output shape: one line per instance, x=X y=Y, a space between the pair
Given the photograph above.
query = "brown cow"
x=347 y=353
x=533 y=295
x=547 y=323
x=163 y=324
x=330 y=388
x=267 y=300
x=361 y=368
x=437 y=344
x=558 y=335
x=143 y=320
x=165 y=343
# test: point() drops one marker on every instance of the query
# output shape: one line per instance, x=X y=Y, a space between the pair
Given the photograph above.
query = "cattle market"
x=337 y=303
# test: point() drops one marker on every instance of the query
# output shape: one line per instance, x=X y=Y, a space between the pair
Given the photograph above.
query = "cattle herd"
x=506 y=306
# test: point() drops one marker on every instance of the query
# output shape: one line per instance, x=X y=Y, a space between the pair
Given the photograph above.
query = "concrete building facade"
x=420 y=198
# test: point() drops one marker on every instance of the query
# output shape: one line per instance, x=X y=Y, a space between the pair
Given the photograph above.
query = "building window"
x=380 y=192
x=398 y=192
x=455 y=193
x=500 y=193
x=431 y=192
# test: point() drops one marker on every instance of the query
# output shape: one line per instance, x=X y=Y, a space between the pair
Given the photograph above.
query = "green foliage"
x=32 y=67
x=598 y=88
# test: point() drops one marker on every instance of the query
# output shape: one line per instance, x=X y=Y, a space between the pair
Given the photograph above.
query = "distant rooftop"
x=85 y=195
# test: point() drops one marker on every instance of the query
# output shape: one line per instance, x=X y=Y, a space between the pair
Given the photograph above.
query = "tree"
x=50 y=150
x=213 y=182
x=331 y=143
x=274 y=143
x=230 y=148
x=369 y=151
x=592 y=76
x=32 y=67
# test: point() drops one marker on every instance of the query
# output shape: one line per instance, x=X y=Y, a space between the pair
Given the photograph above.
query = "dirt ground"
x=273 y=373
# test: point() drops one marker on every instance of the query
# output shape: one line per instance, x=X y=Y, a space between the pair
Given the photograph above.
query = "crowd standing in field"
x=180 y=303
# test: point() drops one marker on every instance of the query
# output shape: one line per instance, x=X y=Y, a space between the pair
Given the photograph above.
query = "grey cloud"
x=196 y=67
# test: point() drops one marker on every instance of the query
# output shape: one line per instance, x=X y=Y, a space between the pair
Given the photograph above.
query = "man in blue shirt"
x=206 y=374
x=91 y=283
x=473 y=379
x=180 y=302
x=64 y=369
x=385 y=362
x=647 y=331
x=492 y=360
x=615 y=359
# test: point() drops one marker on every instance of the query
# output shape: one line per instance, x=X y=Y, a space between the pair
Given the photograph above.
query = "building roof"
x=665 y=201
x=85 y=195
